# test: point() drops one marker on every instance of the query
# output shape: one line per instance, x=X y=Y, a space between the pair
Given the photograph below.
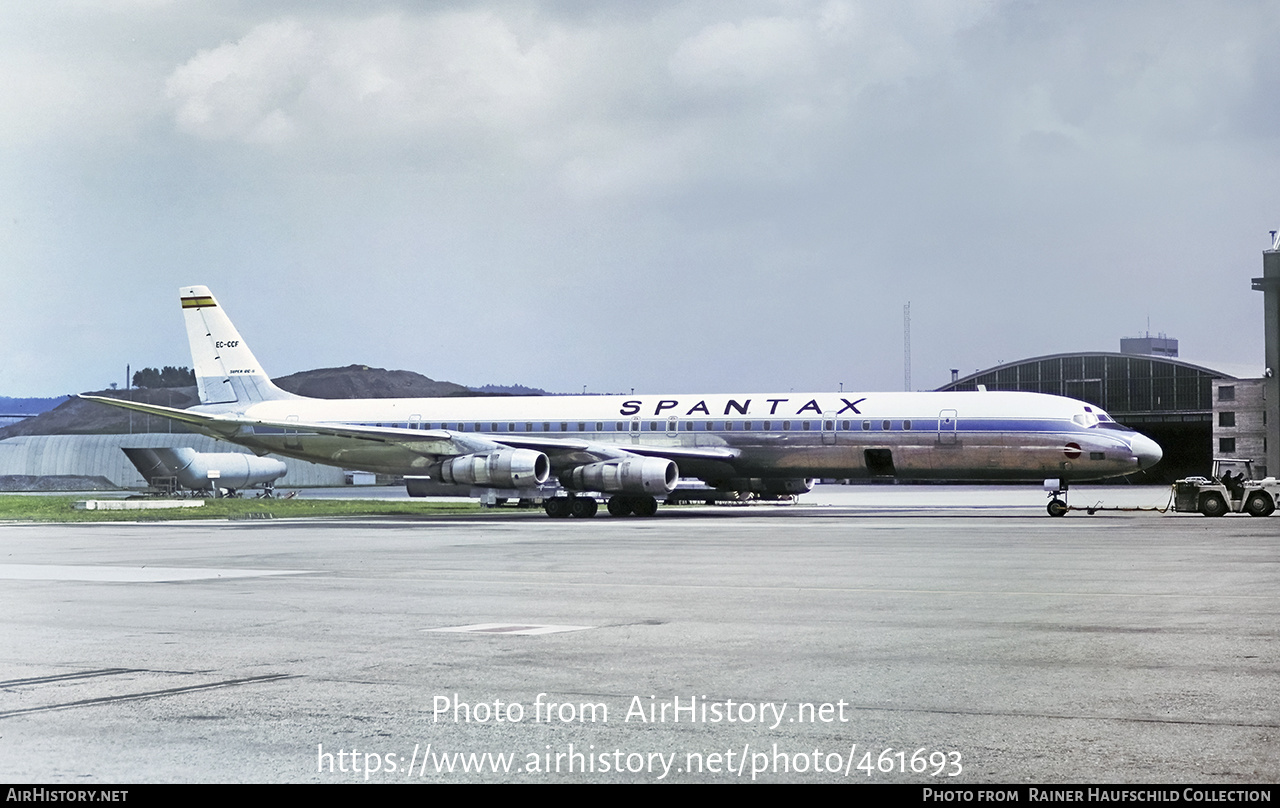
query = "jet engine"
x=633 y=475
x=503 y=468
x=201 y=471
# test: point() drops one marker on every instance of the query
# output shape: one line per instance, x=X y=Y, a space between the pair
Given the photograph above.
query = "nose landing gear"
x=1057 y=497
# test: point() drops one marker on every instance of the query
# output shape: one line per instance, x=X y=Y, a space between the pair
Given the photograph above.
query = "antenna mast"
x=906 y=347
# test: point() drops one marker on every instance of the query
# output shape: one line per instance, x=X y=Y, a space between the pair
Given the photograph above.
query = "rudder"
x=226 y=370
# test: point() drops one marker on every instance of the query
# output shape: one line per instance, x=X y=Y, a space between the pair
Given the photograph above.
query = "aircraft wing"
x=427 y=442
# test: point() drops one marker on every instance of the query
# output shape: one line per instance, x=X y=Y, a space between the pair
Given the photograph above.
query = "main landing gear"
x=586 y=507
x=1057 y=506
x=623 y=505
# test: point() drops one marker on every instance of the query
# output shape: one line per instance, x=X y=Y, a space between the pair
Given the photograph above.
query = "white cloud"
x=625 y=107
x=339 y=80
x=241 y=89
x=534 y=150
x=746 y=56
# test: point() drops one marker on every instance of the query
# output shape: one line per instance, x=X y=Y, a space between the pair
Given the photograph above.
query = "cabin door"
x=828 y=428
x=947 y=427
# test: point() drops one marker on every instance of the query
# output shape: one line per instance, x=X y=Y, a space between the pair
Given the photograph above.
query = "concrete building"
x=1147 y=345
x=1239 y=422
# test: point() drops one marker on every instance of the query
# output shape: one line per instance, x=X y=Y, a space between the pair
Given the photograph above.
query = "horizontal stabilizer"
x=209 y=424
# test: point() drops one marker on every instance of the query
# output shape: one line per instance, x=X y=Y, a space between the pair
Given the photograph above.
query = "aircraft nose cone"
x=1147 y=451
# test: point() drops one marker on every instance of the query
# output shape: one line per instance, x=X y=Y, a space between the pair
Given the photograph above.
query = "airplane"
x=632 y=450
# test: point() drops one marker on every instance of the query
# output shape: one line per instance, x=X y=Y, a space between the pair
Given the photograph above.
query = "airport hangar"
x=1193 y=412
x=1190 y=410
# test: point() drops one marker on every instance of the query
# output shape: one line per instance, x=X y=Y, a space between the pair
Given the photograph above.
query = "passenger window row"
x=649 y=426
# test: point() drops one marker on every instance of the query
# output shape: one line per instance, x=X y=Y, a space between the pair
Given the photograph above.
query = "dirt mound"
x=362 y=381
x=78 y=417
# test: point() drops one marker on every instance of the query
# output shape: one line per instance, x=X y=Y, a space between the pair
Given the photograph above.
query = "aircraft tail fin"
x=226 y=370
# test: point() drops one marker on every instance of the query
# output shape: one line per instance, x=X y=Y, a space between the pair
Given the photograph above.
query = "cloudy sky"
x=666 y=196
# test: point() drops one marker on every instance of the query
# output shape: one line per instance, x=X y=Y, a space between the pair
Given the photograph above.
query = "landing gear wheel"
x=556 y=507
x=1213 y=505
x=1057 y=507
x=583 y=507
x=619 y=505
x=1259 y=504
x=644 y=506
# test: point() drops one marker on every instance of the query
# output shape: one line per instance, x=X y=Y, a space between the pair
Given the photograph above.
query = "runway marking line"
x=150 y=694
x=65 y=677
x=137 y=574
x=508 y=628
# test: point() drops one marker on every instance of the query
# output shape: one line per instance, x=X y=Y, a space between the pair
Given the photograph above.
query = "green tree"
x=168 y=376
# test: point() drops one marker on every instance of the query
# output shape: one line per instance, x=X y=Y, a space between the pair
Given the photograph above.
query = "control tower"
x=1269 y=285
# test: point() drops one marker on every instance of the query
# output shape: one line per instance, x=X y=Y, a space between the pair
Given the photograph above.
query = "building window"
x=1227 y=445
x=1227 y=392
x=1226 y=419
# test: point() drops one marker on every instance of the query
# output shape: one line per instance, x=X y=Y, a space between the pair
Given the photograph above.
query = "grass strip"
x=58 y=509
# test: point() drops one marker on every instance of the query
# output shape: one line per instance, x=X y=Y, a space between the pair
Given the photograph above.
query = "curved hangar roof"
x=1134 y=389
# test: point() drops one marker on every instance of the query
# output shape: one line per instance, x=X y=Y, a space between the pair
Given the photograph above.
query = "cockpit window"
x=1091 y=418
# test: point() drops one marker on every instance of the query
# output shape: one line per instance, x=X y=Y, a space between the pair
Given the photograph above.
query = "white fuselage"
x=958 y=435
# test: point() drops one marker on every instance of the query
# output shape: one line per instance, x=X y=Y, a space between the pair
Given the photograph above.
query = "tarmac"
x=938 y=636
